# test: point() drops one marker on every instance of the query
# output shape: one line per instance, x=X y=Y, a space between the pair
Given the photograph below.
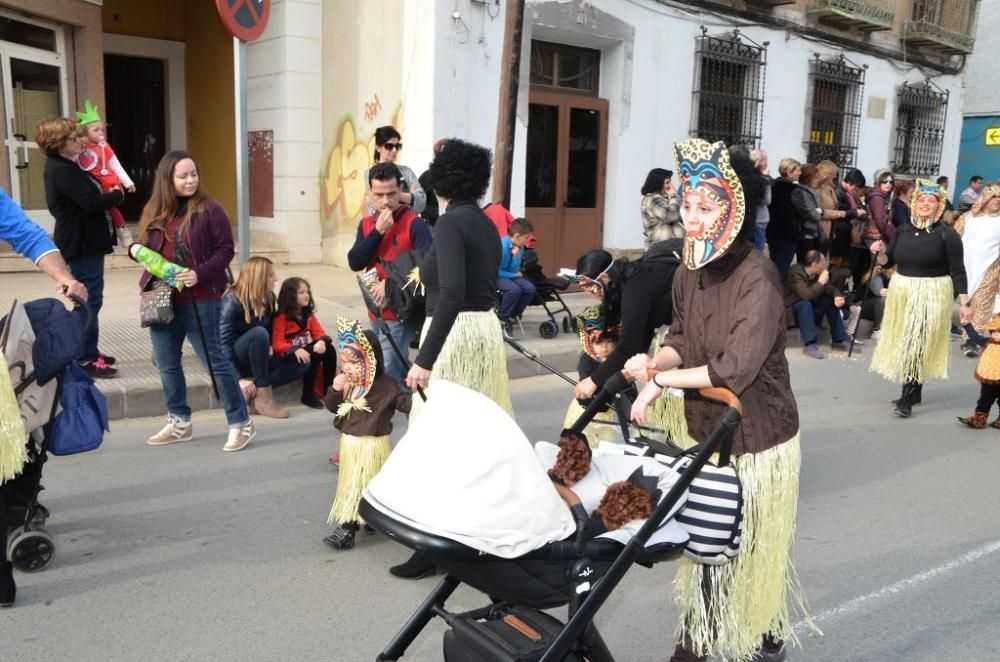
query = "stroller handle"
x=80 y=303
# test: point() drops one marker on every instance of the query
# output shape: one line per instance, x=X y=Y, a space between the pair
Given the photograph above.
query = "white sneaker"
x=176 y=429
x=240 y=437
x=124 y=237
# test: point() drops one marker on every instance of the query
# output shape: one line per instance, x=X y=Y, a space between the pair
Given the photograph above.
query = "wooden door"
x=136 y=122
x=564 y=175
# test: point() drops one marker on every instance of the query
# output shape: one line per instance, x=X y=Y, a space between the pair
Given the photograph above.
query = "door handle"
x=20 y=136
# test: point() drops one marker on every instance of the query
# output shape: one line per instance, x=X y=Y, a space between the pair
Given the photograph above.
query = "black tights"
x=988 y=394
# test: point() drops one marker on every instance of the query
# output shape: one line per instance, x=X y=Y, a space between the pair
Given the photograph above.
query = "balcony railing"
x=946 y=25
x=866 y=15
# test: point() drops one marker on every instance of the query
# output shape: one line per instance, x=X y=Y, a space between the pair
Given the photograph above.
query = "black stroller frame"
x=547 y=294
x=23 y=538
x=595 y=567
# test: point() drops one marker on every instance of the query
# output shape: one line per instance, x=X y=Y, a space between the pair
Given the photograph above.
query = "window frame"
x=836 y=71
x=730 y=49
x=930 y=98
x=553 y=50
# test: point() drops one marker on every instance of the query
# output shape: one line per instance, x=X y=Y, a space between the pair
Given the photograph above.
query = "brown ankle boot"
x=976 y=421
x=265 y=404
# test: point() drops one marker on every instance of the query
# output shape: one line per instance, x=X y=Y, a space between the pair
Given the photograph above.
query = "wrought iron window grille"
x=836 y=87
x=728 y=96
x=920 y=123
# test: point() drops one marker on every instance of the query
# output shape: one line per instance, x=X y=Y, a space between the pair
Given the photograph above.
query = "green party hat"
x=89 y=114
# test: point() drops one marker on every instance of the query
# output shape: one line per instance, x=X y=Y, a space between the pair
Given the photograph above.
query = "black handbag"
x=156 y=305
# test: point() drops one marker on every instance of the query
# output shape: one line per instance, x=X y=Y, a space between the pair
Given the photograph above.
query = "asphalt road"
x=189 y=553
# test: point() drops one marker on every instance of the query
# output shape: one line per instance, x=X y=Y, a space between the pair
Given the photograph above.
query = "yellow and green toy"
x=158 y=265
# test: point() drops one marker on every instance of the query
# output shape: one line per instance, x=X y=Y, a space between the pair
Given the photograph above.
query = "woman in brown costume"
x=727 y=331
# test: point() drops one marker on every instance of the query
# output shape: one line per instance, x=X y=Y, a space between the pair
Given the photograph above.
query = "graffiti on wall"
x=343 y=186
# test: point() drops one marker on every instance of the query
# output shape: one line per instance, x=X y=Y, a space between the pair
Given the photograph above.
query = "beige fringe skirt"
x=13 y=440
x=360 y=459
x=596 y=433
x=914 y=344
x=726 y=610
x=473 y=356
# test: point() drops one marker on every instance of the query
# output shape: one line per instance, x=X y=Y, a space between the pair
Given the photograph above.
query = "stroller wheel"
x=548 y=329
x=567 y=325
x=32 y=551
x=11 y=537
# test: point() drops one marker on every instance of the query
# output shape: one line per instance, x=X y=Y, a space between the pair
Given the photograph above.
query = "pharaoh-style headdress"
x=924 y=187
x=352 y=342
x=705 y=171
x=590 y=326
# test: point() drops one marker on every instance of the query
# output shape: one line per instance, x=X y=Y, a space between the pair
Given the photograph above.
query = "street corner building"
x=578 y=99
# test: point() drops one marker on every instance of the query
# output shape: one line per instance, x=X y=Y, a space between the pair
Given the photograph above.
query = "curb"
x=144 y=400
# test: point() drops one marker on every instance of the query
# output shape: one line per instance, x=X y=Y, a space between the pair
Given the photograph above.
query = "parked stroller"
x=560 y=571
x=548 y=296
x=37 y=373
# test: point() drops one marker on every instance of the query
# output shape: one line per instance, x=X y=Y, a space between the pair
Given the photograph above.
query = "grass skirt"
x=914 y=344
x=595 y=433
x=360 y=459
x=726 y=610
x=13 y=440
x=667 y=413
x=473 y=356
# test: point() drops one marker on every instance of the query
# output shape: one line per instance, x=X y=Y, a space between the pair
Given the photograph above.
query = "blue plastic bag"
x=81 y=425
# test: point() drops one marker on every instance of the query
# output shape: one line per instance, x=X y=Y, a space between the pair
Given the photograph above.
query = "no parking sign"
x=245 y=19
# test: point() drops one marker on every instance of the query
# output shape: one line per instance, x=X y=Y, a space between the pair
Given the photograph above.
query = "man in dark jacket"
x=810 y=296
x=782 y=231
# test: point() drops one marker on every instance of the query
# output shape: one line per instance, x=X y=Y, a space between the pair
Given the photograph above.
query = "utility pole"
x=510 y=76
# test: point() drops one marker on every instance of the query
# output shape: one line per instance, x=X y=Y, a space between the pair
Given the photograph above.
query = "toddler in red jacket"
x=298 y=337
x=98 y=160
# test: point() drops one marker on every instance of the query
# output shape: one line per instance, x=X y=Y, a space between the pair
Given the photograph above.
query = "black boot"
x=343 y=536
x=916 y=393
x=904 y=406
x=415 y=567
x=310 y=399
x=772 y=650
x=7 y=587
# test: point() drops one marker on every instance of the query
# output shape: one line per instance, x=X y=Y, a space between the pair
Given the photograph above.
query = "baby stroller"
x=37 y=387
x=547 y=295
x=569 y=571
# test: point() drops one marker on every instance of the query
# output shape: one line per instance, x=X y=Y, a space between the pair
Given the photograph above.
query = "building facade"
x=980 y=147
x=606 y=87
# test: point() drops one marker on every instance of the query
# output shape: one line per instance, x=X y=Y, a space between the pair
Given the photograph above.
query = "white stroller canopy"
x=466 y=472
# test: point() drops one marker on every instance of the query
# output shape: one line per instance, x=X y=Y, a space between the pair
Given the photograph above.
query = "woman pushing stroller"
x=727 y=332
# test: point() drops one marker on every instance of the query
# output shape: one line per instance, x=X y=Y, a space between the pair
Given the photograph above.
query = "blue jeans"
x=760 y=237
x=254 y=359
x=517 y=294
x=809 y=313
x=168 y=339
x=89 y=270
x=403 y=335
x=782 y=252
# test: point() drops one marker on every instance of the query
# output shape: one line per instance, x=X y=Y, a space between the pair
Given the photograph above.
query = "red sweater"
x=288 y=335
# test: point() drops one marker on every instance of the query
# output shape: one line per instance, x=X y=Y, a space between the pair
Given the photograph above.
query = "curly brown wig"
x=573 y=461
x=623 y=502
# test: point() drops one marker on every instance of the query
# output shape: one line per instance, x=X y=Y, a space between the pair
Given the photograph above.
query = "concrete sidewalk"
x=137 y=392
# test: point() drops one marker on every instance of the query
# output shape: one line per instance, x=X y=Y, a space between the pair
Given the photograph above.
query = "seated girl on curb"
x=298 y=338
x=245 y=337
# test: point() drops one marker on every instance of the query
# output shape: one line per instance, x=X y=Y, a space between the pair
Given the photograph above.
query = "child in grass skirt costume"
x=363 y=400
x=597 y=342
x=988 y=374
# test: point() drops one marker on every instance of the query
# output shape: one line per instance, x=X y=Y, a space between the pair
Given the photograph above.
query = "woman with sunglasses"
x=880 y=226
x=635 y=295
x=388 y=145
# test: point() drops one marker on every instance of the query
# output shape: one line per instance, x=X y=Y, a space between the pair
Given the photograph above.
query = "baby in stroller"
x=511 y=535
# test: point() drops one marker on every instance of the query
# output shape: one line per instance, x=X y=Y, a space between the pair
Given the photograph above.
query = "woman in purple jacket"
x=186 y=227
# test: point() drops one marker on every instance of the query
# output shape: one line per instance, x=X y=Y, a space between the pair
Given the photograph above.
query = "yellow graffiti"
x=344 y=191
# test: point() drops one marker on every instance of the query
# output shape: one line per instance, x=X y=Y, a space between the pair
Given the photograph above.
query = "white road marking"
x=859 y=603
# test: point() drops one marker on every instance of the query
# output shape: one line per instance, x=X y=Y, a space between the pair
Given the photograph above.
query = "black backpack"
x=404 y=297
